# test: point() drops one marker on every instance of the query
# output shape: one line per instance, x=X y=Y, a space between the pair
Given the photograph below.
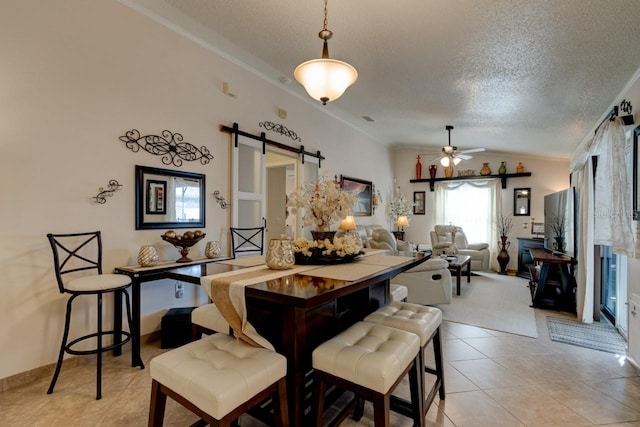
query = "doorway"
x=613 y=292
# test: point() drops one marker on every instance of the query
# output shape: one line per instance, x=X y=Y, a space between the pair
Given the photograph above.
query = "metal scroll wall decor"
x=169 y=145
x=281 y=129
x=108 y=192
x=220 y=199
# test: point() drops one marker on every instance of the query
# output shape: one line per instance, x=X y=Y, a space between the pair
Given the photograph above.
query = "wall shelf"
x=503 y=178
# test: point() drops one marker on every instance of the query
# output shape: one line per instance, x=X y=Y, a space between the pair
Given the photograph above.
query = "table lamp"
x=348 y=223
x=402 y=222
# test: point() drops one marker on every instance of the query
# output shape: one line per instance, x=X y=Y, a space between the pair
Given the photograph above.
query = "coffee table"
x=456 y=264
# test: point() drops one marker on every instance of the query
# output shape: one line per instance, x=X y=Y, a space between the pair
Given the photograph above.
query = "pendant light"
x=325 y=79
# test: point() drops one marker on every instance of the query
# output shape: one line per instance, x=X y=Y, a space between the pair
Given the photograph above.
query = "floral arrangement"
x=345 y=245
x=400 y=206
x=504 y=224
x=324 y=202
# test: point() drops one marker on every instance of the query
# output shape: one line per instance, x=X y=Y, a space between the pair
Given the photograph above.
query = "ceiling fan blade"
x=462 y=156
x=473 y=150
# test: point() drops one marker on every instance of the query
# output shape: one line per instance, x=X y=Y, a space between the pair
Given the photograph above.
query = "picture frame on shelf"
x=537 y=229
x=364 y=192
x=419 y=203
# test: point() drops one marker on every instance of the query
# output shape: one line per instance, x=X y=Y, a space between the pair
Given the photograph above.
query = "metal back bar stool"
x=74 y=255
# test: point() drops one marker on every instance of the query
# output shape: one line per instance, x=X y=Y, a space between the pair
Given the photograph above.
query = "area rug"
x=493 y=301
x=596 y=336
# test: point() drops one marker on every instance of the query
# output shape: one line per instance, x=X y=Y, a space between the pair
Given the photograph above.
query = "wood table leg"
x=458 y=274
x=469 y=272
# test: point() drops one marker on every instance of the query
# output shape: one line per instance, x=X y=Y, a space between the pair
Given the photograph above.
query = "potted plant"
x=399 y=206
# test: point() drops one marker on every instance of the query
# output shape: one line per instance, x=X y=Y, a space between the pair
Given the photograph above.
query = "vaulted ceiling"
x=513 y=76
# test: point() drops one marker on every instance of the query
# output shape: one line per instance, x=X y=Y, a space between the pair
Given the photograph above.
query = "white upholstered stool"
x=370 y=360
x=218 y=378
x=423 y=321
x=207 y=319
x=399 y=292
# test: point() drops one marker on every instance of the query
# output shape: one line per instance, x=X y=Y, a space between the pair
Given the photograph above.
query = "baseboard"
x=46 y=371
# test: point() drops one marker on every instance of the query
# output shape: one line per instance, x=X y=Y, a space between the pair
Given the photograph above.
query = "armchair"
x=479 y=252
x=428 y=283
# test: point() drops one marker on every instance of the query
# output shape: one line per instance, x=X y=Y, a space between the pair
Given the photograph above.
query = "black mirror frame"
x=140 y=199
x=515 y=202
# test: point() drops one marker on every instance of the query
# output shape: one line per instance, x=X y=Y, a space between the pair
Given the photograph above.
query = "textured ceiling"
x=520 y=76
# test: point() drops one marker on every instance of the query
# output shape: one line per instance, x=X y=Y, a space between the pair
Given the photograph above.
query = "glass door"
x=609 y=295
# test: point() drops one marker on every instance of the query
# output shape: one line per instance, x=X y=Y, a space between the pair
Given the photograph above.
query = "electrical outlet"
x=179 y=290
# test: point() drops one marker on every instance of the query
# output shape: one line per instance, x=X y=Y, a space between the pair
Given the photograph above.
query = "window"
x=470 y=205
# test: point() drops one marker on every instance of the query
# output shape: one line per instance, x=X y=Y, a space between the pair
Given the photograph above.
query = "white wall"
x=74 y=77
x=547 y=176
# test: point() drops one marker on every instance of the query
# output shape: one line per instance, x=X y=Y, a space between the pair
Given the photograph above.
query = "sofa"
x=428 y=283
x=479 y=252
x=364 y=231
x=384 y=239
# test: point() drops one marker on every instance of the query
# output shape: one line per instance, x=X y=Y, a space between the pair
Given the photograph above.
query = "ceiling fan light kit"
x=451 y=156
x=325 y=79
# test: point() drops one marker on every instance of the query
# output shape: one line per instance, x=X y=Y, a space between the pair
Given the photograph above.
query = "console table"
x=140 y=275
x=560 y=295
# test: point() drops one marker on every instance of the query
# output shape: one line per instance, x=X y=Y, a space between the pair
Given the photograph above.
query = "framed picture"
x=418 y=203
x=362 y=188
x=537 y=229
x=156 y=193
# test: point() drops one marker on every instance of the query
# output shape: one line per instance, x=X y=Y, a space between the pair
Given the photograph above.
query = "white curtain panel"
x=584 y=229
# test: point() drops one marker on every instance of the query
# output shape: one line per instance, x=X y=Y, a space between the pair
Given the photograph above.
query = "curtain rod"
x=235 y=130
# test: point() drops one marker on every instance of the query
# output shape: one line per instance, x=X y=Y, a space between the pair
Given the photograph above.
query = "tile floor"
x=492 y=379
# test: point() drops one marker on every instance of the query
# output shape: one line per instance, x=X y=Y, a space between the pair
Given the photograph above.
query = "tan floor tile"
x=459 y=350
x=487 y=374
x=624 y=390
x=460 y=330
x=591 y=404
x=475 y=408
x=535 y=408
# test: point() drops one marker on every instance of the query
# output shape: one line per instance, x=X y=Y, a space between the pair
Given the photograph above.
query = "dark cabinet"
x=524 y=256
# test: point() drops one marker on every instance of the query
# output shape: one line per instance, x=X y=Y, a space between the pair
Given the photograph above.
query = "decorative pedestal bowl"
x=183 y=245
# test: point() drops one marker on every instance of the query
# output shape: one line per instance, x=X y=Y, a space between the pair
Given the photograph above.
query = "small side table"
x=456 y=265
x=399 y=235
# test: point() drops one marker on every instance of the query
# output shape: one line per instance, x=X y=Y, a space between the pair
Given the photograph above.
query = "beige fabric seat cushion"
x=98 y=282
x=373 y=356
x=208 y=316
x=418 y=319
x=218 y=372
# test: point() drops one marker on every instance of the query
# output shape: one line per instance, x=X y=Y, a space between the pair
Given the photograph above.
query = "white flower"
x=324 y=203
x=400 y=206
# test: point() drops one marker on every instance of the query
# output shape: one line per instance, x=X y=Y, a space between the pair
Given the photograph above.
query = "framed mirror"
x=169 y=199
x=521 y=201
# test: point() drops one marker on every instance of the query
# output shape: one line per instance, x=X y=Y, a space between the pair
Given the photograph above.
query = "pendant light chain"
x=324 y=27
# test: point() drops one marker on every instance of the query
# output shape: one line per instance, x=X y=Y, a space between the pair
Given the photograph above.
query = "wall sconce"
x=108 y=192
x=221 y=200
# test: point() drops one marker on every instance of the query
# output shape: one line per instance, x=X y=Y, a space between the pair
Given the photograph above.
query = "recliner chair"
x=428 y=283
x=479 y=252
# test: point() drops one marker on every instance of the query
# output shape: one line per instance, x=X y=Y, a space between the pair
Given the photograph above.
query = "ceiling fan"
x=450 y=153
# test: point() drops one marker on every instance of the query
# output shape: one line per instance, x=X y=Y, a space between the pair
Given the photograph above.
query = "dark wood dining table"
x=298 y=312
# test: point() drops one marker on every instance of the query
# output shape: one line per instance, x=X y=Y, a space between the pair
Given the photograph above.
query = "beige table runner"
x=227 y=292
x=349 y=272
x=386 y=260
x=245 y=261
